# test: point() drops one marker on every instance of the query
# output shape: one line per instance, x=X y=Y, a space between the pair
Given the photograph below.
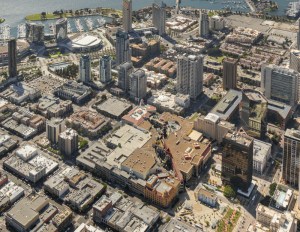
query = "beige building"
x=213 y=127
x=68 y=142
x=274 y=220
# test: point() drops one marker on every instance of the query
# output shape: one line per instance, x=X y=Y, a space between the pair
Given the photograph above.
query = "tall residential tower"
x=229 y=73
x=127 y=15
x=159 y=17
x=12 y=58
x=123 y=51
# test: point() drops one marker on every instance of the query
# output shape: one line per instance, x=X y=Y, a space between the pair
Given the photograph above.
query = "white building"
x=53 y=128
x=127 y=15
x=190 y=75
x=159 y=17
x=261 y=154
x=216 y=23
x=87 y=228
x=68 y=142
x=280 y=84
x=203 y=24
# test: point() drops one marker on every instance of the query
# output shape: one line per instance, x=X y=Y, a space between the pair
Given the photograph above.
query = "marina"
x=79 y=24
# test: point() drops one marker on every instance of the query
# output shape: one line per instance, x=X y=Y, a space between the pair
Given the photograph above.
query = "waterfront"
x=15 y=11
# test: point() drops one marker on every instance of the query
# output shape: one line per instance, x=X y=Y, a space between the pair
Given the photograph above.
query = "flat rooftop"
x=178 y=226
x=114 y=107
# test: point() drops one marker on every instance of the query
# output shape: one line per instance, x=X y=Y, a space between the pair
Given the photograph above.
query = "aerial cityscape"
x=149 y=116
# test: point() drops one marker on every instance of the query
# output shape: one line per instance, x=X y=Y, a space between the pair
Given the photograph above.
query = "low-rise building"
x=74 y=187
x=88 y=123
x=20 y=92
x=35 y=212
x=123 y=215
x=163 y=66
x=49 y=107
x=178 y=226
x=76 y=92
x=207 y=197
x=29 y=163
x=167 y=102
x=87 y=228
x=113 y=108
x=7 y=144
x=261 y=155
x=275 y=221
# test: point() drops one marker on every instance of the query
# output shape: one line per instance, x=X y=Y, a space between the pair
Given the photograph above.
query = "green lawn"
x=218 y=59
x=37 y=17
x=230 y=223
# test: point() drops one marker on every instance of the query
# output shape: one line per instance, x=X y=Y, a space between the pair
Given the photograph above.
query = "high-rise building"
x=298 y=36
x=203 y=24
x=123 y=51
x=216 y=23
x=127 y=15
x=229 y=73
x=12 y=58
x=85 y=69
x=291 y=157
x=159 y=17
x=68 y=142
x=280 y=84
x=295 y=60
x=53 y=128
x=105 y=69
x=61 y=29
x=237 y=160
x=35 y=32
x=190 y=75
x=138 y=84
x=124 y=70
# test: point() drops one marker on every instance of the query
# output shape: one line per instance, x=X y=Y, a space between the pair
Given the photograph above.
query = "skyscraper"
x=105 y=69
x=127 y=15
x=203 y=24
x=124 y=70
x=35 y=32
x=298 y=36
x=61 y=29
x=138 y=84
x=190 y=75
x=280 y=84
x=295 y=60
x=53 y=128
x=291 y=157
x=159 y=17
x=68 y=142
x=12 y=58
x=229 y=73
x=237 y=160
x=85 y=69
x=123 y=51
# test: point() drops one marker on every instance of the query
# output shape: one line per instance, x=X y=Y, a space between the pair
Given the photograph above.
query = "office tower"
x=123 y=51
x=229 y=73
x=190 y=75
x=203 y=24
x=237 y=160
x=12 y=58
x=216 y=23
x=138 y=84
x=53 y=128
x=105 y=69
x=295 y=60
x=85 y=69
x=177 y=7
x=61 y=29
x=124 y=70
x=35 y=32
x=127 y=15
x=298 y=36
x=291 y=157
x=159 y=17
x=280 y=84
x=68 y=142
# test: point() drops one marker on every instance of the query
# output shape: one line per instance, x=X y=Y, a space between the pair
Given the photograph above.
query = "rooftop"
x=114 y=107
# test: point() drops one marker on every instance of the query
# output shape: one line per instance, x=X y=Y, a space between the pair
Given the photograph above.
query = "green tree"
x=272 y=188
x=229 y=191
